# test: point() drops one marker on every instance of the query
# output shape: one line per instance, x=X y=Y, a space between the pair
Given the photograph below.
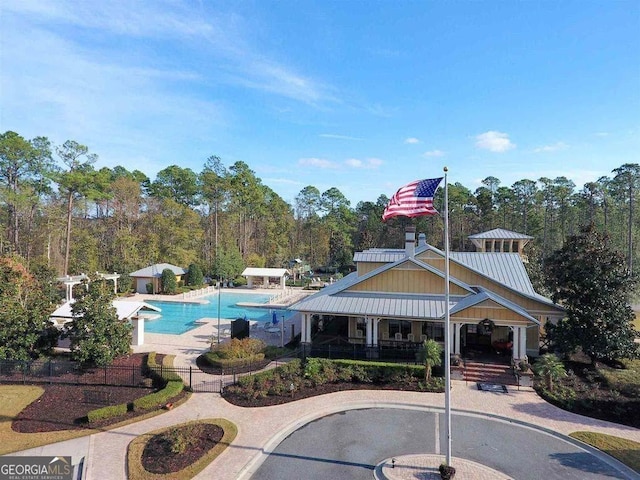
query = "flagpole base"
x=426 y=467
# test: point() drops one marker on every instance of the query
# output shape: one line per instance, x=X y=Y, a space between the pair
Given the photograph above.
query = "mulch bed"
x=159 y=455
x=231 y=396
x=592 y=398
x=65 y=407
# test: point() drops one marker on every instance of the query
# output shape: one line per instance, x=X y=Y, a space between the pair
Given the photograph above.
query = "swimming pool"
x=177 y=317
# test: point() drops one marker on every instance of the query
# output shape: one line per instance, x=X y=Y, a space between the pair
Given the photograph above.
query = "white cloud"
x=494 y=141
x=281 y=181
x=551 y=148
x=369 y=163
x=317 y=162
x=225 y=41
x=339 y=137
x=412 y=140
x=602 y=134
x=354 y=163
x=433 y=153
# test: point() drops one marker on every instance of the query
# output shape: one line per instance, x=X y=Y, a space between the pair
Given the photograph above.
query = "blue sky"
x=362 y=96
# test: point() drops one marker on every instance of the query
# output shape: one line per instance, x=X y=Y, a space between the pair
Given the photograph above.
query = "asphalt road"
x=350 y=444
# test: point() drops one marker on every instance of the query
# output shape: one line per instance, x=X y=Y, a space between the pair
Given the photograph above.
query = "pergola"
x=70 y=281
x=266 y=274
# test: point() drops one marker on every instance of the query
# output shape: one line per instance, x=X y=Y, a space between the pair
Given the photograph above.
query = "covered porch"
x=379 y=337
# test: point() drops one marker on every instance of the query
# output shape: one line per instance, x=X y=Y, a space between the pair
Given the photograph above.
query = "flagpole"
x=447 y=321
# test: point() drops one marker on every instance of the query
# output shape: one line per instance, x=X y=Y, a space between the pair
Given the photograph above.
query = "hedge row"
x=384 y=369
x=107 y=412
x=172 y=388
x=160 y=397
x=230 y=363
x=164 y=372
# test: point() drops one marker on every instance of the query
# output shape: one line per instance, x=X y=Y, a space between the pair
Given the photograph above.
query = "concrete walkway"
x=260 y=430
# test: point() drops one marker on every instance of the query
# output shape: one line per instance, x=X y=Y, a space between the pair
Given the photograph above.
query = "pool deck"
x=187 y=347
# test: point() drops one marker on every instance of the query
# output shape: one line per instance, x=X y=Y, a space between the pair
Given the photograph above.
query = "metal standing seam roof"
x=506 y=268
x=156 y=270
x=378 y=256
x=264 y=272
x=124 y=309
x=500 y=234
x=375 y=304
x=483 y=295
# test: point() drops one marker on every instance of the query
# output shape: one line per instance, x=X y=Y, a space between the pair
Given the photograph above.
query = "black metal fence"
x=72 y=373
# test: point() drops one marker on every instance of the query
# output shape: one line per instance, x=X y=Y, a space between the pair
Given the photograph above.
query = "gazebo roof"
x=156 y=270
x=124 y=308
x=264 y=272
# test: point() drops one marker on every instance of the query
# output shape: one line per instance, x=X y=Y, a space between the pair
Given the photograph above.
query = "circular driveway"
x=349 y=445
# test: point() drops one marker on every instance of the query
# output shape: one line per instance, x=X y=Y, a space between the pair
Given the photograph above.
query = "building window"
x=402 y=326
x=487 y=245
x=361 y=325
x=515 y=247
x=433 y=331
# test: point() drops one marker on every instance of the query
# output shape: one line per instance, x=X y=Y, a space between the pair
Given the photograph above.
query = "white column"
x=138 y=331
x=516 y=343
x=451 y=336
x=376 y=321
x=456 y=343
x=304 y=328
x=523 y=342
x=369 y=328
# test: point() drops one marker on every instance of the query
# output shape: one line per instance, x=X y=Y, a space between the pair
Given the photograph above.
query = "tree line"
x=62 y=213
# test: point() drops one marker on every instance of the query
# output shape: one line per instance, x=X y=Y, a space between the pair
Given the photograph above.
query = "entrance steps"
x=488 y=373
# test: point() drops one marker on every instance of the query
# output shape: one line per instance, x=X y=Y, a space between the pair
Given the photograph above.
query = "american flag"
x=413 y=200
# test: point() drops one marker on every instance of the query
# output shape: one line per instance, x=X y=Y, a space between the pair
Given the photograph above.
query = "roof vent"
x=422 y=240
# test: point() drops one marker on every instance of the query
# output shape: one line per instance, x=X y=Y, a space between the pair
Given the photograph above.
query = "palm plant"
x=550 y=368
x=431 y=356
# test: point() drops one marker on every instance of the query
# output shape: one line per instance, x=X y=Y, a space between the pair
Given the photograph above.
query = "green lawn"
x=627 y=451
x=13 y=399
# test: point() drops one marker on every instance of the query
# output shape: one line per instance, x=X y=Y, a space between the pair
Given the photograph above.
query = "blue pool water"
x=177 y=317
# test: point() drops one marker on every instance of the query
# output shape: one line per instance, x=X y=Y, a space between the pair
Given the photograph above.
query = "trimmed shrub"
x=168 y=281
x=230 y=363
x=172 y=389
x=272 y=351
x=163 y=373
x=194 y=276
x=237 y=348
x=107 y=412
